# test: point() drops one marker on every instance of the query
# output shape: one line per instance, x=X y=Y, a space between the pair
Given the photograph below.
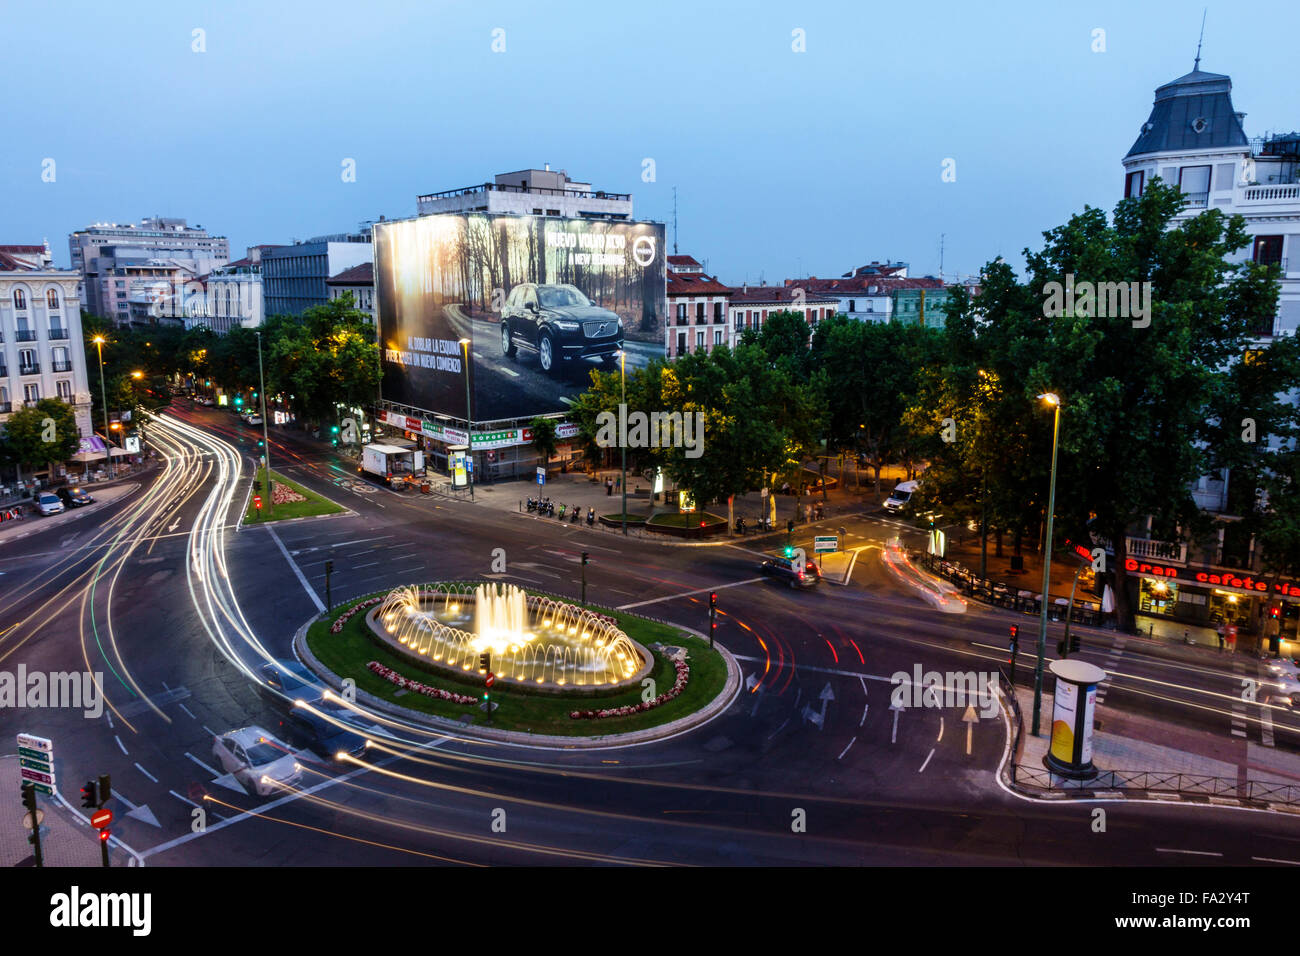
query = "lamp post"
x=622 y=367
x=1055 y=401
x=266 y=442
x=103 y=397
x=469 y=420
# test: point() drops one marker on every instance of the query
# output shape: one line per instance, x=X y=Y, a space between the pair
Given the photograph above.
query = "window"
x=20 y=299
x=65 y=389
x=717 y=312
x=1194 y=181
x=1133 y=184
x=1268 y=250
x=853 y=305
x=699 y=340
x=52 y=299
x=681 y=313
x=681 y=343
x=31 y=393
x=699 y=312
x=717 y=336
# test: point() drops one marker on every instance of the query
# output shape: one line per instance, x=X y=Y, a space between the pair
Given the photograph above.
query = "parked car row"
x=55 y=502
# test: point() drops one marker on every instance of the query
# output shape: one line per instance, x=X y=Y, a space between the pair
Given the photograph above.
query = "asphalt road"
x=176 y=606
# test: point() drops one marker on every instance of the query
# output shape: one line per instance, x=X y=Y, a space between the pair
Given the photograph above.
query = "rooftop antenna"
x=674 y=220
x=941 y=235
x=1197 y=65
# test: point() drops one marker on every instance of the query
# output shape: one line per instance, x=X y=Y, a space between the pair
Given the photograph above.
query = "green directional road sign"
x=826 y=542
x=36 y=762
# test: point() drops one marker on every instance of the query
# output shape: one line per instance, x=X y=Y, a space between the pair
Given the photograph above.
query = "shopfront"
x=499 y=453
x=1212 y=597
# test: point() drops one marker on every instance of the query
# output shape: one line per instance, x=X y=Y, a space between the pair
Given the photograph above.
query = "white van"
x=901 y=495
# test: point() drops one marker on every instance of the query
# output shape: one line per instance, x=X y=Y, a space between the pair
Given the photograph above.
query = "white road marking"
x=122 y=797
x=119 y=743
x=927 y=760
x=187 y=710
x=1266 y=859
x=673 y=597
x=846 y=749
x=146 y=773
x=864 y=715
x=779 y=729
x=358 y=567
x=1161 y=849
x=209 y=729
x=215 y=773
x=183 y=799
x=320 y=605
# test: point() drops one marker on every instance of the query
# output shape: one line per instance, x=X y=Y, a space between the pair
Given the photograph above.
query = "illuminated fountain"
x=547 y=644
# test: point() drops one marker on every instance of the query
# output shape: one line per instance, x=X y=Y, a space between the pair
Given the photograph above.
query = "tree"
x=544 y=438
x=40 y=434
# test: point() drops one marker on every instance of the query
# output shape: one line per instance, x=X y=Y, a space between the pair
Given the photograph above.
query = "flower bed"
x=683 y=675
x=337 y=626
x=283 y=494
x=416 y=687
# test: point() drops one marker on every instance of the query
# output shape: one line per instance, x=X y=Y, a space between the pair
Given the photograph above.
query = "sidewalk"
x=66 y=840
x=69 y=519
x=589 y=492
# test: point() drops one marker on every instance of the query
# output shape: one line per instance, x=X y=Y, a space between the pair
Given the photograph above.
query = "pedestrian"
x=618 y=483
x=1220 y=634
x=609 y=486
x=1187 y=636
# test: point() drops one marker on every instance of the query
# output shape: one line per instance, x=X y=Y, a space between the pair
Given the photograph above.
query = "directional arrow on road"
x=827 y=694
x=813 y=717
x=893 y=735
x=751 y=681
x=971 y=719
x=174 y=525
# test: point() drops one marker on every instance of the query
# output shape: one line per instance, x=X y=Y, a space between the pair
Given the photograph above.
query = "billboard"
x=534 y=302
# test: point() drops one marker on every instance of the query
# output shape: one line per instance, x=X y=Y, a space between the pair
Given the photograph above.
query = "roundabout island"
x=504 y=662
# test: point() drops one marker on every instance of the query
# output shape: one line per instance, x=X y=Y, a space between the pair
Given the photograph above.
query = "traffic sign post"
x=101 y=818
x=36 y=767
x=826 y=543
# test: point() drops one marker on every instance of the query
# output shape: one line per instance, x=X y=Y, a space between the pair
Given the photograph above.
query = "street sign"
x=541 y=475
x=36 y=761
x=101 y=818
x=42 y=788
x=491 y=679
x=133 y=444
x=826 y=542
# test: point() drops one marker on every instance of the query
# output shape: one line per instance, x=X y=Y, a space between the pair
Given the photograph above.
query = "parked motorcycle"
x=591 y=516
x=577 y=514
x=562 y=507
x=532 y=503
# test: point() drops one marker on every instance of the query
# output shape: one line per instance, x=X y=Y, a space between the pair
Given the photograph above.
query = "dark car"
x=291 y=679
x=558 y=323
x=75 y=497
x=783 y=569
x=316 y=727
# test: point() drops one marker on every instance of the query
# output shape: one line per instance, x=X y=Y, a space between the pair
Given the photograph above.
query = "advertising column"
x=1074 y=704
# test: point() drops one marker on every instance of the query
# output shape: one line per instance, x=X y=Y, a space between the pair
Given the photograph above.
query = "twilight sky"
x=786 y=163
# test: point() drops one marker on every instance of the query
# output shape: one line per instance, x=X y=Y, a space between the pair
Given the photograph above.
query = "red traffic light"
x=1015 y=631
x=104 y=835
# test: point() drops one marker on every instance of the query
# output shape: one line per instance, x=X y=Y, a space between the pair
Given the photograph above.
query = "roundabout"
x=561 y=674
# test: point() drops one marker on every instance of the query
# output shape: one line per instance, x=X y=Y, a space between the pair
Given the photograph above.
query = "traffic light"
x=485 y=662
x=329 y=565
x=29 y=798
x=105 y=788
x=239 y=400
x=713 y=600
x=789 y=526
x=104 y=835
x=1015 y=633
x=334 y=435
x=90 y=796
x=789 y=551
x=257 y=502
x=586 y=556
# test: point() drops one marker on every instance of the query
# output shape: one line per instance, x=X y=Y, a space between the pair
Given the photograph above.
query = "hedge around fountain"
x=347 y=653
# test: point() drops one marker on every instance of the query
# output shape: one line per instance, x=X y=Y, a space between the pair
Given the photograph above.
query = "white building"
x=360 y=281
x=41 y=350
x=530 y=192
x=1195 y=140
x=750 y=306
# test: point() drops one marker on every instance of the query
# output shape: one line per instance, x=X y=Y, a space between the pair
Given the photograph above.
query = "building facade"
x=751 y=305
x=41 y=350
x=697 y=309
x=99 y=252
x=1195 y=139
x=360 y=281
x=294 y=277
x=530 y=192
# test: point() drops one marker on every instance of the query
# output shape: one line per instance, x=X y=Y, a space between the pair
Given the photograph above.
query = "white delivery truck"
x=391 y=464
x=901 y=495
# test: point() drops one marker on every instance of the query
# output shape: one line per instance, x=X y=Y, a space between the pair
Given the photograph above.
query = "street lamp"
x=103 y=397
x=266 y=443
x=1051 y=398
x=622 y=366
x=469 y=421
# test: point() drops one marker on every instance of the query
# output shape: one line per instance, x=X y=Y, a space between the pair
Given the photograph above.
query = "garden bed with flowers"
x=288 y=500
x=340 y=640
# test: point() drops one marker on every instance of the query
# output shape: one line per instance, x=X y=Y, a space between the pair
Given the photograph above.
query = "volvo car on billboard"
x=534 y=302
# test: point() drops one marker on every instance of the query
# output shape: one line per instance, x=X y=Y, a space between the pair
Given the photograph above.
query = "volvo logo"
x=601 y=329
x=643 y=250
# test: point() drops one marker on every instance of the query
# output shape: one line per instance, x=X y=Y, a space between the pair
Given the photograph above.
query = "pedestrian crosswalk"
x=1108 y=664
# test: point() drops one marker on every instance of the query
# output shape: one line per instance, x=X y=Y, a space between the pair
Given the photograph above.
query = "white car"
x=257 y=760
x=253 y=419
x=48 y=504
x=1283 y=666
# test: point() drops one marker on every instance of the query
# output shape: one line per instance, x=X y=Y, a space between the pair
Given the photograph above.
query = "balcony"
x=1149 y=548
x=6 y=408
x=33 y=369
x=1196 y=200
x=1270 y=193
x=61 y=366
x=58 y=334
x=25 y=335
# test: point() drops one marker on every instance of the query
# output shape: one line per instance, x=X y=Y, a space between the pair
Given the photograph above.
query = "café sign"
x=1219 y=579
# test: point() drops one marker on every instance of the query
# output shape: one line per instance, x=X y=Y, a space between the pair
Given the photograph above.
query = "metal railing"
x=1165 y=781
x=1270 y=193
x=58 y=333
x=509 y=188
x=25 y=335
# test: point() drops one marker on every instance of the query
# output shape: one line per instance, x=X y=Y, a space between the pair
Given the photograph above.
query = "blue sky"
x=785 y=163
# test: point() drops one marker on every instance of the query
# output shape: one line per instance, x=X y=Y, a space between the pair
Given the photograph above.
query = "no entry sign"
x=101 y=818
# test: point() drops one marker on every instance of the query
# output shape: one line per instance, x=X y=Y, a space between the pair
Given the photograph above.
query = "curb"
x=730 y=691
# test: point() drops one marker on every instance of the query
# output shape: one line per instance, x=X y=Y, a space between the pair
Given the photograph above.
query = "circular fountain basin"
x=536 y=643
